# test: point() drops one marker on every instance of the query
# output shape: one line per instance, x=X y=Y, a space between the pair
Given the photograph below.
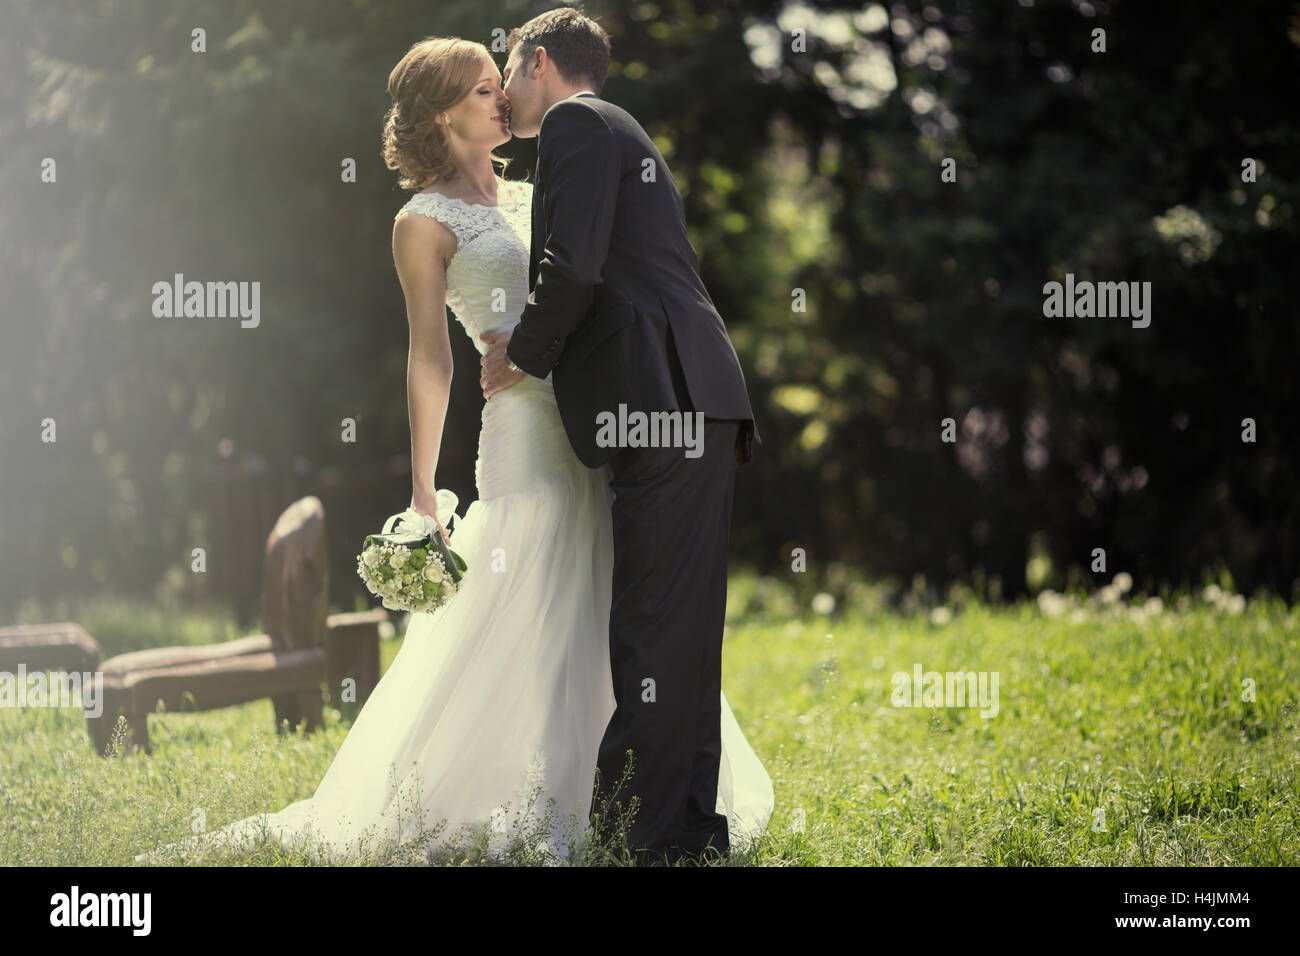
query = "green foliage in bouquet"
x=409 y=570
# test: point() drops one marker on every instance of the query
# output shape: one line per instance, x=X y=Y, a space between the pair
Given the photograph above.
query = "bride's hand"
x=425 y=504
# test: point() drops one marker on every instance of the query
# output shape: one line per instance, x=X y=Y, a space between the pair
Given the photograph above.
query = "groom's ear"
x=540 y=59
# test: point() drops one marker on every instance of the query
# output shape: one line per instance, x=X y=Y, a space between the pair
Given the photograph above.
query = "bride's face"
x=482 y=117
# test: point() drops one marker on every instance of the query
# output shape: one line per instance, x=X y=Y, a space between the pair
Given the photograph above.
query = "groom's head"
x=551 y=57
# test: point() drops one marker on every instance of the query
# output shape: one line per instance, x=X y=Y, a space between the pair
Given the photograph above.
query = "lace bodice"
x=487 y=278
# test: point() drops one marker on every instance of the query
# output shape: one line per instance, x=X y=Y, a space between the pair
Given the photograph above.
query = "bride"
x=488 y=721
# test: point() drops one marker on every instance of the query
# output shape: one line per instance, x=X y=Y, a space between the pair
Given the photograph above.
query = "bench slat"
x=220 y=683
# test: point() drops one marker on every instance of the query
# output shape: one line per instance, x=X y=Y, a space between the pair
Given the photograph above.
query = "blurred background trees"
x=869 y=299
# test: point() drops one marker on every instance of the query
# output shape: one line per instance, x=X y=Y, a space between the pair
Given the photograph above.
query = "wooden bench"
x=48 y=647
x=204 y=685
x=302 y=648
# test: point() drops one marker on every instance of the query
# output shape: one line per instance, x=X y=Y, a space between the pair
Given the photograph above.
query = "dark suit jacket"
x=618 y=312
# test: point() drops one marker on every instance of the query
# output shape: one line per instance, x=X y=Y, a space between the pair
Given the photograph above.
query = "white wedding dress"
x=496 y=703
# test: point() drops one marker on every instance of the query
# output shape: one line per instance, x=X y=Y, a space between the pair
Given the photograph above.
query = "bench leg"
x=367 y=665
x=295 y=707
x=288 y=707
x=101 y=731
x=137 y=732
x=312 y=708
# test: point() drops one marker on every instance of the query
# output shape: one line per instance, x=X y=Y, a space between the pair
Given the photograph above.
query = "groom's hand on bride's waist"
x=495 y=374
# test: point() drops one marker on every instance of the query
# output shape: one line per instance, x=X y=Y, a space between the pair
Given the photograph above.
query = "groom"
x=618 y=315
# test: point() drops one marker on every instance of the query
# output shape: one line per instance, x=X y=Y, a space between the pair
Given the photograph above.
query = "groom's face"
x=523 y=87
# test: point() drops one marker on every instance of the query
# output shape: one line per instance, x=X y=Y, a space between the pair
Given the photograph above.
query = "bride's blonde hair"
x=434 y=75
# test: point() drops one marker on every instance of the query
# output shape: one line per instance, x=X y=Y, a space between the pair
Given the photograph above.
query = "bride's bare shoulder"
x=419 y=234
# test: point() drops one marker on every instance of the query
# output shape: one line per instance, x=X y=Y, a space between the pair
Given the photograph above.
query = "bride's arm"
x=422 y=246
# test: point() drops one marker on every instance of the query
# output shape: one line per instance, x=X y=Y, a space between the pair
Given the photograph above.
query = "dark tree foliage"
x=809 y=143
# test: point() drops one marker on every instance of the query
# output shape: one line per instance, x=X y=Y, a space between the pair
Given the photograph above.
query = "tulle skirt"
x=492 y=712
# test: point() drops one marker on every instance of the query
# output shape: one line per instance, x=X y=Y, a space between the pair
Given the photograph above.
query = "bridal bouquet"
x=408 y=565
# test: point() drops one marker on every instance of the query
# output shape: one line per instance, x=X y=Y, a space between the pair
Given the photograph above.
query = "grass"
x=1121 y=738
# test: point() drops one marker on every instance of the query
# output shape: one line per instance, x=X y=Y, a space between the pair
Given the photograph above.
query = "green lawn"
x=1105 y=703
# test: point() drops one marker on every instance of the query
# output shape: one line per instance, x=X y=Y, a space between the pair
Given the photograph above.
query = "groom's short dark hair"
x=577 y=44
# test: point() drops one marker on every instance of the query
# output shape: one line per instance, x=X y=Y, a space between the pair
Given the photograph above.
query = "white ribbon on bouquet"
x=418 y=523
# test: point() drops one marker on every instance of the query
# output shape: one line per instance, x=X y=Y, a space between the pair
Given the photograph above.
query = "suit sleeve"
x=580 y=173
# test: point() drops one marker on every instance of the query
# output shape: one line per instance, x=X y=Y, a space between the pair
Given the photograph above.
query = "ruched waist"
x=522 y=441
